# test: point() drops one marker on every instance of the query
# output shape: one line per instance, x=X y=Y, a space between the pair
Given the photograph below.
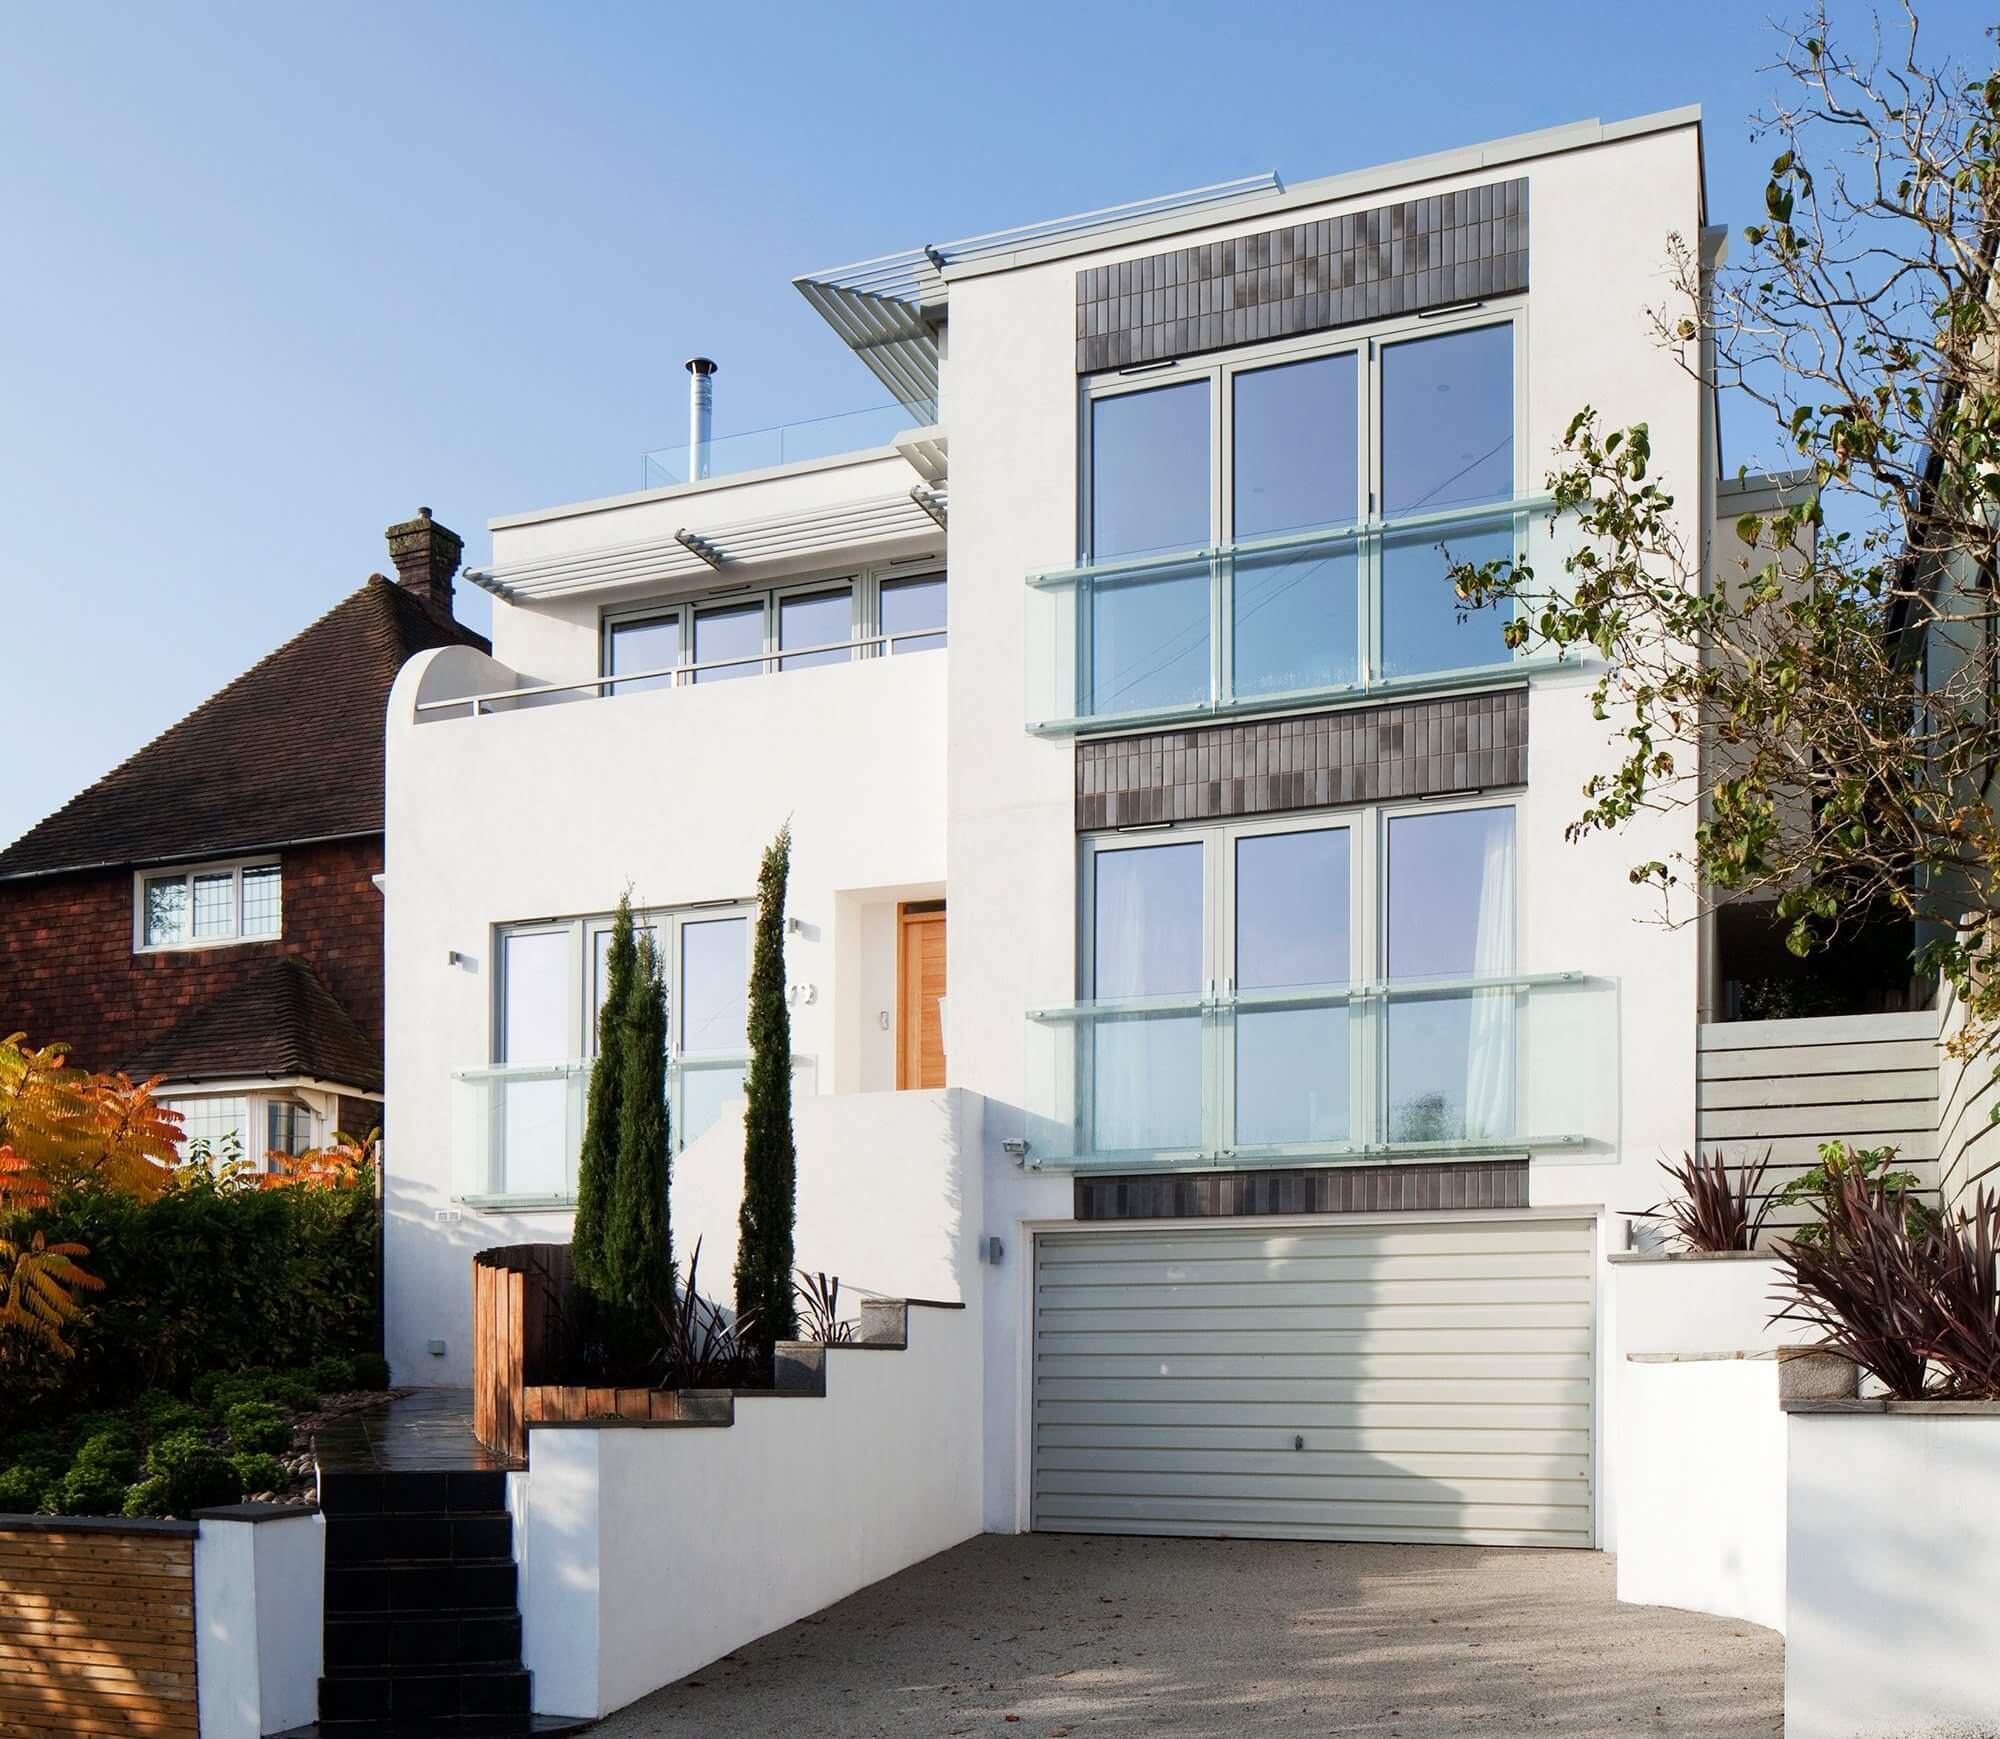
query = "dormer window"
x=207 y=906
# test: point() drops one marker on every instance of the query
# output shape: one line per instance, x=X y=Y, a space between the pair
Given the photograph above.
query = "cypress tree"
x=770 y=1162
x=597 y=1164
x=638 y=1240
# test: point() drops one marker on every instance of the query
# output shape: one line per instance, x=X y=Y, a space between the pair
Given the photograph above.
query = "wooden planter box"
x=524 y=1310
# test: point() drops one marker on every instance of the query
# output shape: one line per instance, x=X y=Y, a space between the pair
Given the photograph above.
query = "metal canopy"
x=888 y=310
x=746 y=547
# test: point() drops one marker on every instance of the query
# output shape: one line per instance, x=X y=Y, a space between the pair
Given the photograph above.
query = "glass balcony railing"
x=517 y=1129
x=1246 y=627
x=788 y=443
x=1325 y=1072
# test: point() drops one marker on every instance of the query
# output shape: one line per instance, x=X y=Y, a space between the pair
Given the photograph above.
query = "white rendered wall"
x=259 y=1623
x=1697 y=1304
x=881 y=1194
x=1701 y=1487
x=669 y=1547
x=1601 y=222
x=551 y=812
x=1893 y=1603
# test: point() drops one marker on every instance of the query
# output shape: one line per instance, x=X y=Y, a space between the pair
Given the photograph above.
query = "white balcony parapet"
x=872 y=645
x=1514 y=1064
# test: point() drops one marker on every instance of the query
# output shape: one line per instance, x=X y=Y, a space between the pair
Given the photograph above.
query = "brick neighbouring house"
x=208 y=911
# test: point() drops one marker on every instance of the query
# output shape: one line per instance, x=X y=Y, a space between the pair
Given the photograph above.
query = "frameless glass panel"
x=1149 y=471
x=262 y=900
x=1448 y=421
x=1293 y=447
x=1146 y=1069
x=736 y=631
x=704 y=1090
x=1292 y=921
x=1294 y=621
x=715 y=985
x=1451 y=1061
x=214 y=905
x=166 y=911
x=534 y=997
x=650 y=643
x=909 y=606
x=1425 y=628
x=816 y=619
x=1149 y=641
x=600 y=978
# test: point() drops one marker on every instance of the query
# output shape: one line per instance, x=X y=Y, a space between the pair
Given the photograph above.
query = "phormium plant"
x=1715 y=1211
x=819 y=1309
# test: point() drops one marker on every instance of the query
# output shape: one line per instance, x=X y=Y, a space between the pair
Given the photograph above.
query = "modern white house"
x=1189 y=973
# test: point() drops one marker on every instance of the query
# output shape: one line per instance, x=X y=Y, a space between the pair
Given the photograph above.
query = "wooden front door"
x=920 y=991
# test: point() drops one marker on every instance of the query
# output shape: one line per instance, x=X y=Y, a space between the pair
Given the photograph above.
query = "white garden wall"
x=1701 y=1486
x=1893 y=1603
x=259 y=1612
x=647 y=1551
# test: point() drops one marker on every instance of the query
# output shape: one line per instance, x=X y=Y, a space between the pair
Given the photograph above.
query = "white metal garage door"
x=1349 y=1382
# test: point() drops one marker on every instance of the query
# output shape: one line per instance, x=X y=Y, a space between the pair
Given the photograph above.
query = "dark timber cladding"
x=1422 y=748
x=1344 y=1189
x=1367 y=265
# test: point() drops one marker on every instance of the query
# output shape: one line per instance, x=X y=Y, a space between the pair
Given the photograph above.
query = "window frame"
x=864 y=619
x=187 y=874
x=1367 y=827
x=1221 y=370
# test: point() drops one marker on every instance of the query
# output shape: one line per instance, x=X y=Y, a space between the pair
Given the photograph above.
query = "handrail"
x=476 y=701
x=1251 y=547
x=1300 y=996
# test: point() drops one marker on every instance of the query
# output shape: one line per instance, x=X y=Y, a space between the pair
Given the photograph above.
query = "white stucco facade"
x=916 y=778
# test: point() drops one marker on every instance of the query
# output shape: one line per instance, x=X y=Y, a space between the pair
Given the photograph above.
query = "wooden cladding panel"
x=517 y=1317
x=1782 y=1087
x=96 y=1633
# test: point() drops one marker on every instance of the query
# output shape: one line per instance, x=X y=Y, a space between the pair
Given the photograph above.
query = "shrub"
x=158 y=1414
x=285 y=1389
x=1818 y=1186
x=147 y=1498
x=767 y=1214
x=109 y=1450
x=258 y=1471
x=90 y=1490
x=333 y=1375
x=194 y=1473
x=371 y=1371
x=21 y=1488
x=258 y=1425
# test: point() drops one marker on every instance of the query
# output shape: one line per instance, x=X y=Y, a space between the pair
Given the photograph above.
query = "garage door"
x=1350 y=1382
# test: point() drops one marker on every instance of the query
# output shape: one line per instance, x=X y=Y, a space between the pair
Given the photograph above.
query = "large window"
x=208 y=905
x=787 y=628
x=553 y=979
x=1332 y=477
x=1307 y=983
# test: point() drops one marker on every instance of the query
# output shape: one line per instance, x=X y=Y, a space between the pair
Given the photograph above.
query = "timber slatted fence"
x=1870 y=1080
x=96 y=1628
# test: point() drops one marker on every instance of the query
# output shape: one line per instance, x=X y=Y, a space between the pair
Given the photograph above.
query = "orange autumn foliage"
x=70 y=1126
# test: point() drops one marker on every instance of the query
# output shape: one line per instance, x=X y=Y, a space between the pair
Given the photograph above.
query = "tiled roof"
x=280 y=1021
x=291 y=750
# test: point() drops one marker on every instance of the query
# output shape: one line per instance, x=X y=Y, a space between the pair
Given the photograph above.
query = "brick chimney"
x=426 y=555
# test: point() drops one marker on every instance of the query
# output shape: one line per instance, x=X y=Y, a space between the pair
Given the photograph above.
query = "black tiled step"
x=445 y=1727
x=401 y=1697
x=416 y=1491
x=441 y=1639
x=393 y=1539
x=443 y=1585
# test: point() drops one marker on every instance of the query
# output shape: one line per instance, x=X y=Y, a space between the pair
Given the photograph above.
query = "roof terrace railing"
x=787 y=444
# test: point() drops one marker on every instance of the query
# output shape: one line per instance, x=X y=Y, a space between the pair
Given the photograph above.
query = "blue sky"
x=276 y=275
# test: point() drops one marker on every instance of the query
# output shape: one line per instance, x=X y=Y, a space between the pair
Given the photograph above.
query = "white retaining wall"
x=259 y=1615
x=1893 y=1604
x=647 y=1551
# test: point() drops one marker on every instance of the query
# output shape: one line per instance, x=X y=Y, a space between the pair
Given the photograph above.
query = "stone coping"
x=1691 y=1256
x=1770 y=1353
x=1900 y=1409
x=255 y=1512
x=154 y=1525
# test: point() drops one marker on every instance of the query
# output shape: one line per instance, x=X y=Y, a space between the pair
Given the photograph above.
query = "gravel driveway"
x=1041 y=1636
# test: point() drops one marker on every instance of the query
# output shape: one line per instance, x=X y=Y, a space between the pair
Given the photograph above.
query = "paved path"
x=1117 y=1637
